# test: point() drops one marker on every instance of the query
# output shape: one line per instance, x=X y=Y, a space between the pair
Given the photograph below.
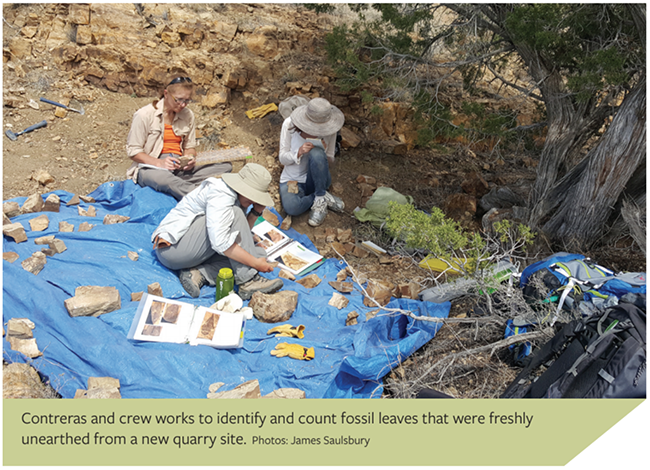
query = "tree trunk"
x=589 y=192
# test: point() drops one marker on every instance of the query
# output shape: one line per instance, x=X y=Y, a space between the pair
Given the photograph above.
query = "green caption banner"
x=302 y=432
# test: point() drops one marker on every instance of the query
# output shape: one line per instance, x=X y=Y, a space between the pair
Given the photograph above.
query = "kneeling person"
x=209 y=230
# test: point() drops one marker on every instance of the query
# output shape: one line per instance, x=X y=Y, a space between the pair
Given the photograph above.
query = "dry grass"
x=22 y=381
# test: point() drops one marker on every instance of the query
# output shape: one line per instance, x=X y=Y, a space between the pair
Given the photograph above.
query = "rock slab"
x=274 y=308
x=93 y=301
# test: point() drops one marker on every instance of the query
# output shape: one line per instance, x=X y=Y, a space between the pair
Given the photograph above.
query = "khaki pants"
x=193 y=250
x=178 y=183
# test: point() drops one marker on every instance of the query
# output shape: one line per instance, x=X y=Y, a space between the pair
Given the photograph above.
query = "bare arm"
x=237 y=253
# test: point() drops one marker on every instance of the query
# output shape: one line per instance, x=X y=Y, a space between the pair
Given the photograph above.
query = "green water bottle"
x=225 y=283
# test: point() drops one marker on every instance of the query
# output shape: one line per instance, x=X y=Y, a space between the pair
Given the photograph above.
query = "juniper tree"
x=587 y=67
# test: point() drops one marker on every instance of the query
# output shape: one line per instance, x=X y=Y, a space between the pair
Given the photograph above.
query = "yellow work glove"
x=288 y=330
x=294 y=351
x=261 y=111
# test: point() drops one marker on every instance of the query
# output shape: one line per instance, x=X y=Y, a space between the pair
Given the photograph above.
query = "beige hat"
x=252 y=182
x=318 y=118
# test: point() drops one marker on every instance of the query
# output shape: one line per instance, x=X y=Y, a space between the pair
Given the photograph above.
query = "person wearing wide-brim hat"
x=209 y=230
x=307 y=147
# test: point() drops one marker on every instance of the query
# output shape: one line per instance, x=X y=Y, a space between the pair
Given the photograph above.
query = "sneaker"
x=334 y=203
x=192 y=281
x=318 y=212
x=259 y=284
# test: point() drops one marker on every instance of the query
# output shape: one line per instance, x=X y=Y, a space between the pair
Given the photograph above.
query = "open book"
x=171 y=321
x=291 y=255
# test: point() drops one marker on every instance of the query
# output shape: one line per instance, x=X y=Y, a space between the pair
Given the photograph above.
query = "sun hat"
x=252 y=182
x=287 y=105
x=318 y=118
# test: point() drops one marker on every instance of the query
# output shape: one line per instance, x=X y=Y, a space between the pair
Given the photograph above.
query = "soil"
x=81 y=152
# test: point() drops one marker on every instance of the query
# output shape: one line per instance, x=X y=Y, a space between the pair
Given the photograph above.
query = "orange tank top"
x=171 y=142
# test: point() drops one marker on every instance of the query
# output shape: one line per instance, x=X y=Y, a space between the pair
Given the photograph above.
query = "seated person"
x=160 y=134
x=307 y=163
x=209 y=230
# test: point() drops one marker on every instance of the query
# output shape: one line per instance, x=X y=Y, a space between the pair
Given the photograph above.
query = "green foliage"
x=488 y=123
x=435 y=233
x=447 y=240
x=594 y=45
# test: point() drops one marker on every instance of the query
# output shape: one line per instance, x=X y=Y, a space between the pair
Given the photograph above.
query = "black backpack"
x=601 y=356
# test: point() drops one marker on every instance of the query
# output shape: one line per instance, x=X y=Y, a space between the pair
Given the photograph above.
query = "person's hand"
x=190 y=164
x=168 y=163
x=263 y=266
x=305 y=148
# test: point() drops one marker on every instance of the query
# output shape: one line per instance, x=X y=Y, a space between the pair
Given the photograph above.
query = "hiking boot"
x=259 y=284
x=334 y=203
x=192 y=281
x=318 y=211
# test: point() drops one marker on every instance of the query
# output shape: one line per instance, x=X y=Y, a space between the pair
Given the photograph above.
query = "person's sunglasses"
x=180 y=80
x=185 y=102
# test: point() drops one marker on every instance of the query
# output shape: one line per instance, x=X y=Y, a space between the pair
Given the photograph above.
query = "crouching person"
x=209 y=230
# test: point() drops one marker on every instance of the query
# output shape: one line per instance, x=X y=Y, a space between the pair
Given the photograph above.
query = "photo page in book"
x=295 y=258
x=171 y=321
x=269 y=237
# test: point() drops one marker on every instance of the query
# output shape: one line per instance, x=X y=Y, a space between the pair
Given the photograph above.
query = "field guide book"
x=172 y=321
x=291 y=255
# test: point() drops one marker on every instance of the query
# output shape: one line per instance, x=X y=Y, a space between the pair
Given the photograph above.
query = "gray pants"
x=178 y=183
x=193 y=250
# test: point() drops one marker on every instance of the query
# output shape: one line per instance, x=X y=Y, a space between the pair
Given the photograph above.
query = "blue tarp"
x=350 y=361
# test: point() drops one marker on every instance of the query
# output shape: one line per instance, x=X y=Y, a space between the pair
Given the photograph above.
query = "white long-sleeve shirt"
x=215 y=199
x=296 y=169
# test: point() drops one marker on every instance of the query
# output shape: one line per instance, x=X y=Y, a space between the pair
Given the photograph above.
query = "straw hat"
x=252 y=182
x=318 y=118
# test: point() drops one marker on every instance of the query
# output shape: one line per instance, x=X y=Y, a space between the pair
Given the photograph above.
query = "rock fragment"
x=286 y=223
x=381 y=291
x=90 y=212
x=339 y=301
x=100 y=388
x=5 y=219
x=40 y=223
x=66 y=227
x=133 y=256
x=372 y=314
x=136 y=296
x=343 y=274
x=270 y=217
x=15 y=231
x=20 y=328
x=10 y=256
x=155 y=289
x=88 y=199
x=360 y=252
x=93 y=301
x=292 y=187
x=58 y=246
x=274 y=308
x=35 y=263
x=74 y=200
x=110 y=219
x=344 y=236
x=34 y=203
x=352 y=318
x=310 y=281
x=43 y=177
x=250 y=389
x=26 y=346
x=11 y=209
x=345 y=287
x=43 y=240
x=84 y=227
x=287 y=275
x=410 y=290
x=286 y=393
